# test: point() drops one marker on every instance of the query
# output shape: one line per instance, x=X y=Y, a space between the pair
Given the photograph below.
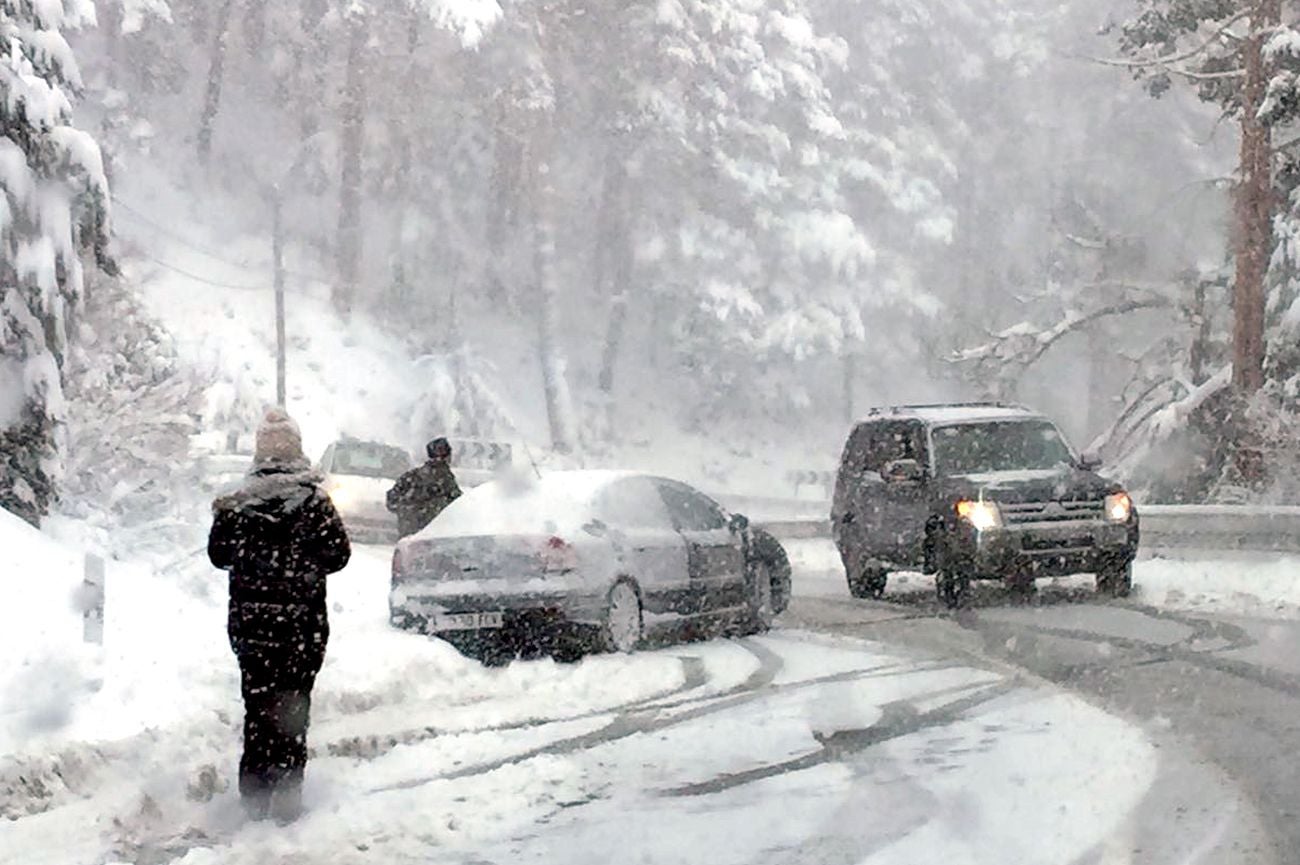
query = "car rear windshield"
x=370 y=460
x=1003 y=446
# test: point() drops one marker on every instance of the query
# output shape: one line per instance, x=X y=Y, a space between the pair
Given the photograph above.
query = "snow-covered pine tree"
x=53 y=210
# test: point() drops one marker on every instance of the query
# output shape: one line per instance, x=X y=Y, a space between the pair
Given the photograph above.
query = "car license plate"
x=466 y=621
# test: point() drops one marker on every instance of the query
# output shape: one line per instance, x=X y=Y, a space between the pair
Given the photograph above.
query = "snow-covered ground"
x=792 y=747
x=1264 y=585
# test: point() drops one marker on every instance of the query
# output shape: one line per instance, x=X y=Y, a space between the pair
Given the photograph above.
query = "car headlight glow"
x=981 y=515
x=1118 y=507
x=340 y=494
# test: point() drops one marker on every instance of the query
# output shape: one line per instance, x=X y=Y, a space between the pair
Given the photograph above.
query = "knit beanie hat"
x=278 y=438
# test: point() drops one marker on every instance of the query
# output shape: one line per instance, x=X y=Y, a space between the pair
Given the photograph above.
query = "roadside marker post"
x=93 y=612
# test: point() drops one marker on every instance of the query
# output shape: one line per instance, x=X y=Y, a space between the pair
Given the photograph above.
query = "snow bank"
x=1265 y=586
x=48 y=667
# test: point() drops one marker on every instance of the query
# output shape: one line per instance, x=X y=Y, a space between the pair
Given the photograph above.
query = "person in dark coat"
x=423 y=492
x=278 y=536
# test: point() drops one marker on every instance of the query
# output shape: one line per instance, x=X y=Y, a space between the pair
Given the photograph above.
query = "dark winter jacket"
x=421 y=494
x=278 y=536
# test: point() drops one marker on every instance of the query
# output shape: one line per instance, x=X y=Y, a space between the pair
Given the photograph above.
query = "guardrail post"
x=93 y=613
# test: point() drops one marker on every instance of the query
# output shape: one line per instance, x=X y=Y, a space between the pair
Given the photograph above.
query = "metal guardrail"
x=1164 y=527
x=1221 y=527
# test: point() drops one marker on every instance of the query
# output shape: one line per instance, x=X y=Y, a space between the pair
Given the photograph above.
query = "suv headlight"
x=981 y=515
x=1119 y=507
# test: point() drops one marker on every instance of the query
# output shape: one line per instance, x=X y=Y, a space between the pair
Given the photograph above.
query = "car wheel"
x=758 y=599
x=624 y=624
x=768 y=550
x=1115 y=580
x=869 y=584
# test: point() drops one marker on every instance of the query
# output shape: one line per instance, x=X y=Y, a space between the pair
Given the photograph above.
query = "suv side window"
x=691 y=511
x=877 y=443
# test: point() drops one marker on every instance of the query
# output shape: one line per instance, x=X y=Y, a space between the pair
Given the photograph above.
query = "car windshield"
x=369 y=460
x=1002 y=446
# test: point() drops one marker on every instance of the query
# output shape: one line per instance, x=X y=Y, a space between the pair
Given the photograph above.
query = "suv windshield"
x=968 y=449
x=369 y=460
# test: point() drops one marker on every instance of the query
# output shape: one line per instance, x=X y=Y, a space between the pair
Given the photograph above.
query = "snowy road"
x=1216 y=690
x=854 y=732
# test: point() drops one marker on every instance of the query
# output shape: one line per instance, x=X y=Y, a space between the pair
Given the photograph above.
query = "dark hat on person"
x=437 y=448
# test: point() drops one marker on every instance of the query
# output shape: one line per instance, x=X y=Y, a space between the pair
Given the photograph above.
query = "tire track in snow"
x=651 y=719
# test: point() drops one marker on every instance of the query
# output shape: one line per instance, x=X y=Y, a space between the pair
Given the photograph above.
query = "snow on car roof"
x=949 y=414
x=520 y=503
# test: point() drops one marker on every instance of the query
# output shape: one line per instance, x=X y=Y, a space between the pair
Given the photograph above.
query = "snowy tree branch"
x=1022 y=345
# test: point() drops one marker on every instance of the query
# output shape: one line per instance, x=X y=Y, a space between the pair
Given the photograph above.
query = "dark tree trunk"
x=216 y=73
x=1199 y=355
x=1254 y=236
x=353 y=140
x=1254 y=214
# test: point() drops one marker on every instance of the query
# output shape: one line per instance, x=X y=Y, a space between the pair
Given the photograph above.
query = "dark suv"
x=976 y=491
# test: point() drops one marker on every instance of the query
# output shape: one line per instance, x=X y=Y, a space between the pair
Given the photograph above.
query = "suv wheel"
x=870 y=583
x=1115 y=580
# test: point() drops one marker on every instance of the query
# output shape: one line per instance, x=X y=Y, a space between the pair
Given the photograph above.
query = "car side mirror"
x=1090 y=461
x=739 y=522
x=903 y=472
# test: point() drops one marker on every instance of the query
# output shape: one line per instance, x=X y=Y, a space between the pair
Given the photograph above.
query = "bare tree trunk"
x=850 y=386
x=353 y=135
x=613 y=276
x=254 y=25
x=110 y=22
x=216 y=72
x=559 y=404
x=1254 y=233
x=307 y=63
x=507 y=159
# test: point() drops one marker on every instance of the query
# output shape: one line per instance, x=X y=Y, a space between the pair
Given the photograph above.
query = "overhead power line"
x=203 y=279
x=136 y=214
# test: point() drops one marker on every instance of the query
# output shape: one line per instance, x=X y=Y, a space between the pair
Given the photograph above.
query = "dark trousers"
x=277 y=707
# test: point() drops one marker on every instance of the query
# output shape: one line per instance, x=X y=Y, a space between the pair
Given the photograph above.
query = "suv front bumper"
x=1045 y=550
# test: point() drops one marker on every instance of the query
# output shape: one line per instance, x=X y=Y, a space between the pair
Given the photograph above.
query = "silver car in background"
x=580 y=560
x=358 y=476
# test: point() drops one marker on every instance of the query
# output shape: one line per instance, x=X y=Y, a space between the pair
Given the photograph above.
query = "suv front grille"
x=1051 y=512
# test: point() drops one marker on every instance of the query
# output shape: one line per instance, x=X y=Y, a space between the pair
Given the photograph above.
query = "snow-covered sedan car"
x=583 y=559
x=358 y=476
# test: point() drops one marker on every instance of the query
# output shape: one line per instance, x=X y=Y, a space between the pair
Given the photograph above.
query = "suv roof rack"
x=972 y=404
